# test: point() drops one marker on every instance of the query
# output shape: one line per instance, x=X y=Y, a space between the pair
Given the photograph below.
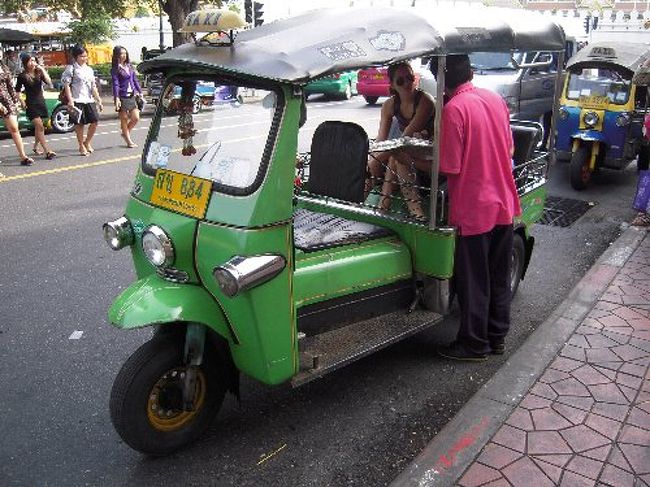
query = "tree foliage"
x=92 y=30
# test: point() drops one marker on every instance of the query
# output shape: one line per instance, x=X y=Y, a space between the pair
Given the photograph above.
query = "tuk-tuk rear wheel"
x=146 y=399
x=517 y=264
x=579 y=171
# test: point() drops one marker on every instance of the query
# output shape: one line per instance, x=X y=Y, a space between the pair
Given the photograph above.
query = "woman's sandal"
x=83 y=151
x=89 y=147
x=50 y=155
x=27 y=161
x=641 y=220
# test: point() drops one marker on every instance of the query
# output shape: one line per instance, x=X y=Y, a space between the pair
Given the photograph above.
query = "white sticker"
x=76 y=335
x=574 y=93
x=585 y=92
x=158 y=155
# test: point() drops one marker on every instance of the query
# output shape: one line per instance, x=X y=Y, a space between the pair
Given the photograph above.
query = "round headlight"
x=118 y=233
x=623 y=119
x=157 y=247
x=563 y=113
x=590 y=119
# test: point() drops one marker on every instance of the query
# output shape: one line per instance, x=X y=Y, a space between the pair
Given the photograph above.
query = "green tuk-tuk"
x=257 y=257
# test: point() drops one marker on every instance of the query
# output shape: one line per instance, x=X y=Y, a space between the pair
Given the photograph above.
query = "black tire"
x=371 y=100
x=517 y=264
x=60 y=120
x=579 y=170
x=148 y=383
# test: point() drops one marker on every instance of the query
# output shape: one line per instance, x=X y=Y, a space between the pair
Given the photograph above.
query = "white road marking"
x=76 y=335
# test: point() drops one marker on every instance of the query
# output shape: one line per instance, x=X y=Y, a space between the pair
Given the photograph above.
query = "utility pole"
x=161 y=43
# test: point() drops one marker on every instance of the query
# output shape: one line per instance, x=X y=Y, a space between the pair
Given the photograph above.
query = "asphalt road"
x=358 y=426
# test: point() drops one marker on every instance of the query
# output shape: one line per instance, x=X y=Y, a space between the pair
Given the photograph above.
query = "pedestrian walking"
x=475 y=154
x=127 y=94
x=32 y=79
x=83 y=98
x=9 y=103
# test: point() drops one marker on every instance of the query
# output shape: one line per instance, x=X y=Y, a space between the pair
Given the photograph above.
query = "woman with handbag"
x=32 y=79
x=9 y=103
x=82 y=97
x=127 y=94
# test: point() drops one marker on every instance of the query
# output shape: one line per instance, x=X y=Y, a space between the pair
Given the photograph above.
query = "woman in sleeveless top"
x=32 y=79
x=408 y=112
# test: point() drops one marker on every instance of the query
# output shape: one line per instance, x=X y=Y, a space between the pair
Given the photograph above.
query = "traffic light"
x=594 y=24
x=248 y=8
x=587 y=23
x=258 y=8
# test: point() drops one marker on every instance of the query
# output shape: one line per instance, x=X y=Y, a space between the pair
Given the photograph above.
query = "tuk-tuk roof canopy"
x=13 y=37
x=321 y=42
x=616 y=55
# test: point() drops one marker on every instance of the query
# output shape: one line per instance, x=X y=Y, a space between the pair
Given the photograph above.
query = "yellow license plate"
x=181 y=193
x=594 y=101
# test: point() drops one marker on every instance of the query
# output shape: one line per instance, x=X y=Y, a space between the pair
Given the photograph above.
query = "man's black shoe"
x=457 y=351
x=498 y=348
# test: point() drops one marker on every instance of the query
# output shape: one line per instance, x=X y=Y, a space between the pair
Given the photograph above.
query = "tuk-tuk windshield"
x=599 y=82
x=213 y=131
x=494 y=61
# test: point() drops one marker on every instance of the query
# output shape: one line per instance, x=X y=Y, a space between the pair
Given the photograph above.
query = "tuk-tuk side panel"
x=263 y=317
x=349 y=269
x=179 y=228
x=437 y=257
x=532 y=206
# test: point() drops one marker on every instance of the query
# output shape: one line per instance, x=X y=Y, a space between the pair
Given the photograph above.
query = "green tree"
x=92 y=30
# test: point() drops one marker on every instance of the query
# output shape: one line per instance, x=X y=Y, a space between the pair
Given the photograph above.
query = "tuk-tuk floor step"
x=326 y=352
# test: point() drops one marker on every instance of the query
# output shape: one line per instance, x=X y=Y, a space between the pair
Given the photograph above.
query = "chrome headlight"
x=157 y=247
x=623 y=119
x=563 y=113
x=118 y=233
x=590 y=119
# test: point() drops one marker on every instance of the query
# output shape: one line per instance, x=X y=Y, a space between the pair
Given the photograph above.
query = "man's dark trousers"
x=482 y=282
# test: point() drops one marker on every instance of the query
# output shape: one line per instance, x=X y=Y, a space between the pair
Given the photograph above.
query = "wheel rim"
x=62 y=121
x=162 y=414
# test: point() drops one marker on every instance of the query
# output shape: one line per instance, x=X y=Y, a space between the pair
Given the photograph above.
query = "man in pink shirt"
x=476 y=155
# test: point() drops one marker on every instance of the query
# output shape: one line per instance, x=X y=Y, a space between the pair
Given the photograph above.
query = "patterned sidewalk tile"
x=586 y=421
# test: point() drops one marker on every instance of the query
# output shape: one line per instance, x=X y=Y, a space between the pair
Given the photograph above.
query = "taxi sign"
x=181 y=193
x=215 y=20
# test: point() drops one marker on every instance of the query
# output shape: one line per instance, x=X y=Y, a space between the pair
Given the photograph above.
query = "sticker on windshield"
x=574 y=93
x=158 y=155
x=621 y=96
x=388 y=41
x=342 y=51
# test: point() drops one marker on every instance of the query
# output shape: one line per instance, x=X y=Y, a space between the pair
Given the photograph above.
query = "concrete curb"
x=452 y=450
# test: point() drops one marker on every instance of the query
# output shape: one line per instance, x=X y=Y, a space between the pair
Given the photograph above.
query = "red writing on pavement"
x=447 y=460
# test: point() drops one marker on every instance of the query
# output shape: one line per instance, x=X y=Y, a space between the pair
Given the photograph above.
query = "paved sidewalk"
x=572 y=406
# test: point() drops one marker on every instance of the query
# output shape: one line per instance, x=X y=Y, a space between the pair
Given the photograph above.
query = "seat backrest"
x=526 y=138
x=339 y=154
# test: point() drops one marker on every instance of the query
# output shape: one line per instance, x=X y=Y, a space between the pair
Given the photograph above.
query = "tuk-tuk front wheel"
x=580 y=172
x=146 y=402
